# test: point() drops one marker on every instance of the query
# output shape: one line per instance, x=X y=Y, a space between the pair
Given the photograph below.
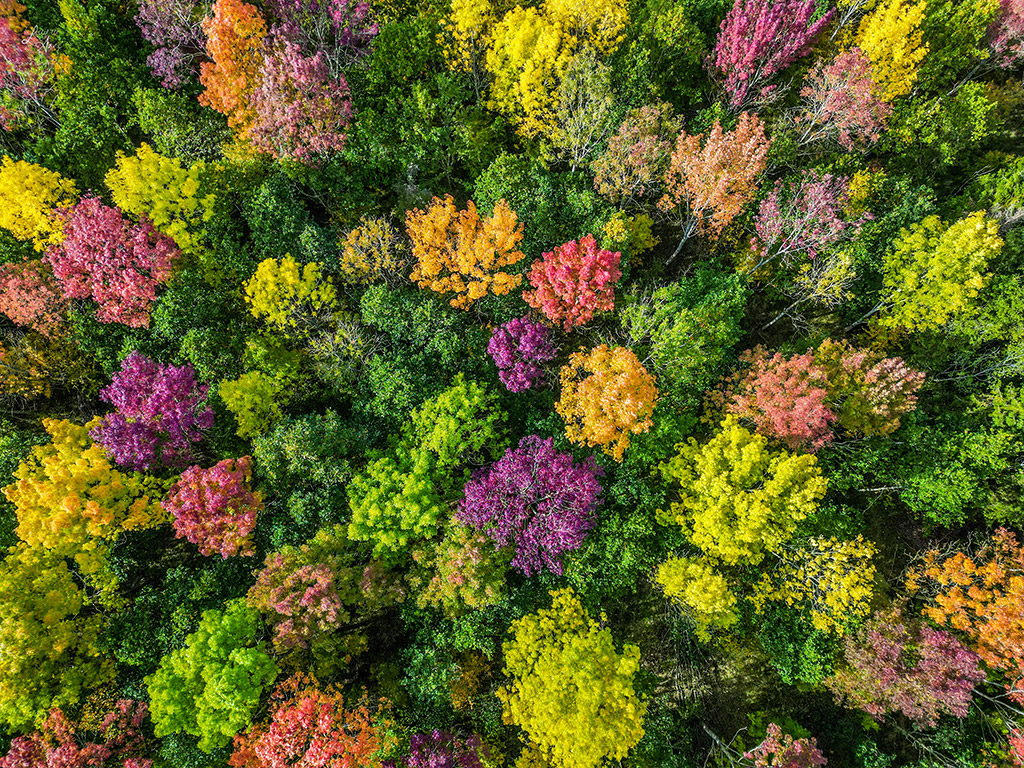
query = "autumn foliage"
x=458 y=253
x=235 y=35
x=214 y=508
x=572 y=282
x=607 y=395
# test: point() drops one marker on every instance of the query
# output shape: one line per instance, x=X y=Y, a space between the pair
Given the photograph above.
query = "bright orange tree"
x=607 y=395
x=712 y=177
x=458 y=252
x=234 y=42
x=982 y=596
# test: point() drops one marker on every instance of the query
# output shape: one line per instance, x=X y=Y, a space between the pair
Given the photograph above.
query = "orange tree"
x=459 y=253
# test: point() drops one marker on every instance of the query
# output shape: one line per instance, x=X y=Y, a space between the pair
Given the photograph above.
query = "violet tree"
x=160 y=413
x=760 y=38
x=535 y=499
x=518 y=348
x=341 y=30
x=174 y=29
x=441 y=749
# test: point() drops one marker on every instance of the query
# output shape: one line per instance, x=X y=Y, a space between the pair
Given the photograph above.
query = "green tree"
x=936 y=270
x=212 y=687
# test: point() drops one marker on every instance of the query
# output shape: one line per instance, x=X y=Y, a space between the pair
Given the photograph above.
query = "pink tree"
x=711 y=178
x=26 y=71
x=174 y=28
x=839 y=103
x=118 y=742
x=785 y=398
x=760 y=38
x=899 y=665
x=780 y=750
x=804 y=217
x=341 y=30
x=1006 y=34
x=572 y=282
x=301 y=109
x=116 y=263
x=29 y=296
x=214 y=508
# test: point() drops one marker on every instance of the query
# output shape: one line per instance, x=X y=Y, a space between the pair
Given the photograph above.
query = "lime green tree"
x=212 y=687
x=570 y=690
x=738 y=498
x=49 y=647
x=936 y=270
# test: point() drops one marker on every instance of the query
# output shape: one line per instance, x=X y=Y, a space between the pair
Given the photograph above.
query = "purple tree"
x=535 y=499
x=441 y=749
x=518 y=348
x=804 y=217
x=839 y=103
x=899 y=665
x=174 y=29
x=302 y=111
x=760 y=38
x=341 y=30
x=160 y=412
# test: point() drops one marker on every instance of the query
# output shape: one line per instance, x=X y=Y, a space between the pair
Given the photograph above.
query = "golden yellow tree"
x=607 y=395
x=890 y=35
x=697 y=585
x=832 y=580
x=458 y=253
x=29 y=195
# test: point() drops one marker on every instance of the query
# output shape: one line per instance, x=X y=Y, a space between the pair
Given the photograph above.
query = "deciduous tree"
x=780 y=750
x=712 y=177
x=293 y=299
x=890 y=36
x=759 y=39
x=30 y=297
x=737 y=498
x=174 y=29
x=458 y=253
x=697 y=585
x=898 y=665
x=569 y=689
x=607 y=395
x=235 y=35
x=30 y=195
x=160 y=413
x=633 y=166
x=572 y=282
x=212 y=687
x=112 y=261
x=536 y=500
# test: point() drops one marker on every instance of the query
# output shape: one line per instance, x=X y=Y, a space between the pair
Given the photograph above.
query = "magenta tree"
x=174 y=29
x=214 y=508
x=519 y=348
x=116 y=263
x=536 y=500
x=441 y=749
x=160 y=414
x=780 y=750
x=897 y=664
x=760 y=38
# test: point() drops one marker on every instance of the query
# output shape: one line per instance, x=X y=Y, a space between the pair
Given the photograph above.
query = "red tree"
x=311 y=728
x=573 y=282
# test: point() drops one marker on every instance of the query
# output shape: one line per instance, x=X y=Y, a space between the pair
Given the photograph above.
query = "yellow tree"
x=458 y=253
x=531 y=50
x=738 y=498
x=292 y=299
x=607 y=395
x=570 y=690
x=829 y=579
x=29 y=195
x=70 y=500
x=166 y=192
x=697 y=585
x=890 y=35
